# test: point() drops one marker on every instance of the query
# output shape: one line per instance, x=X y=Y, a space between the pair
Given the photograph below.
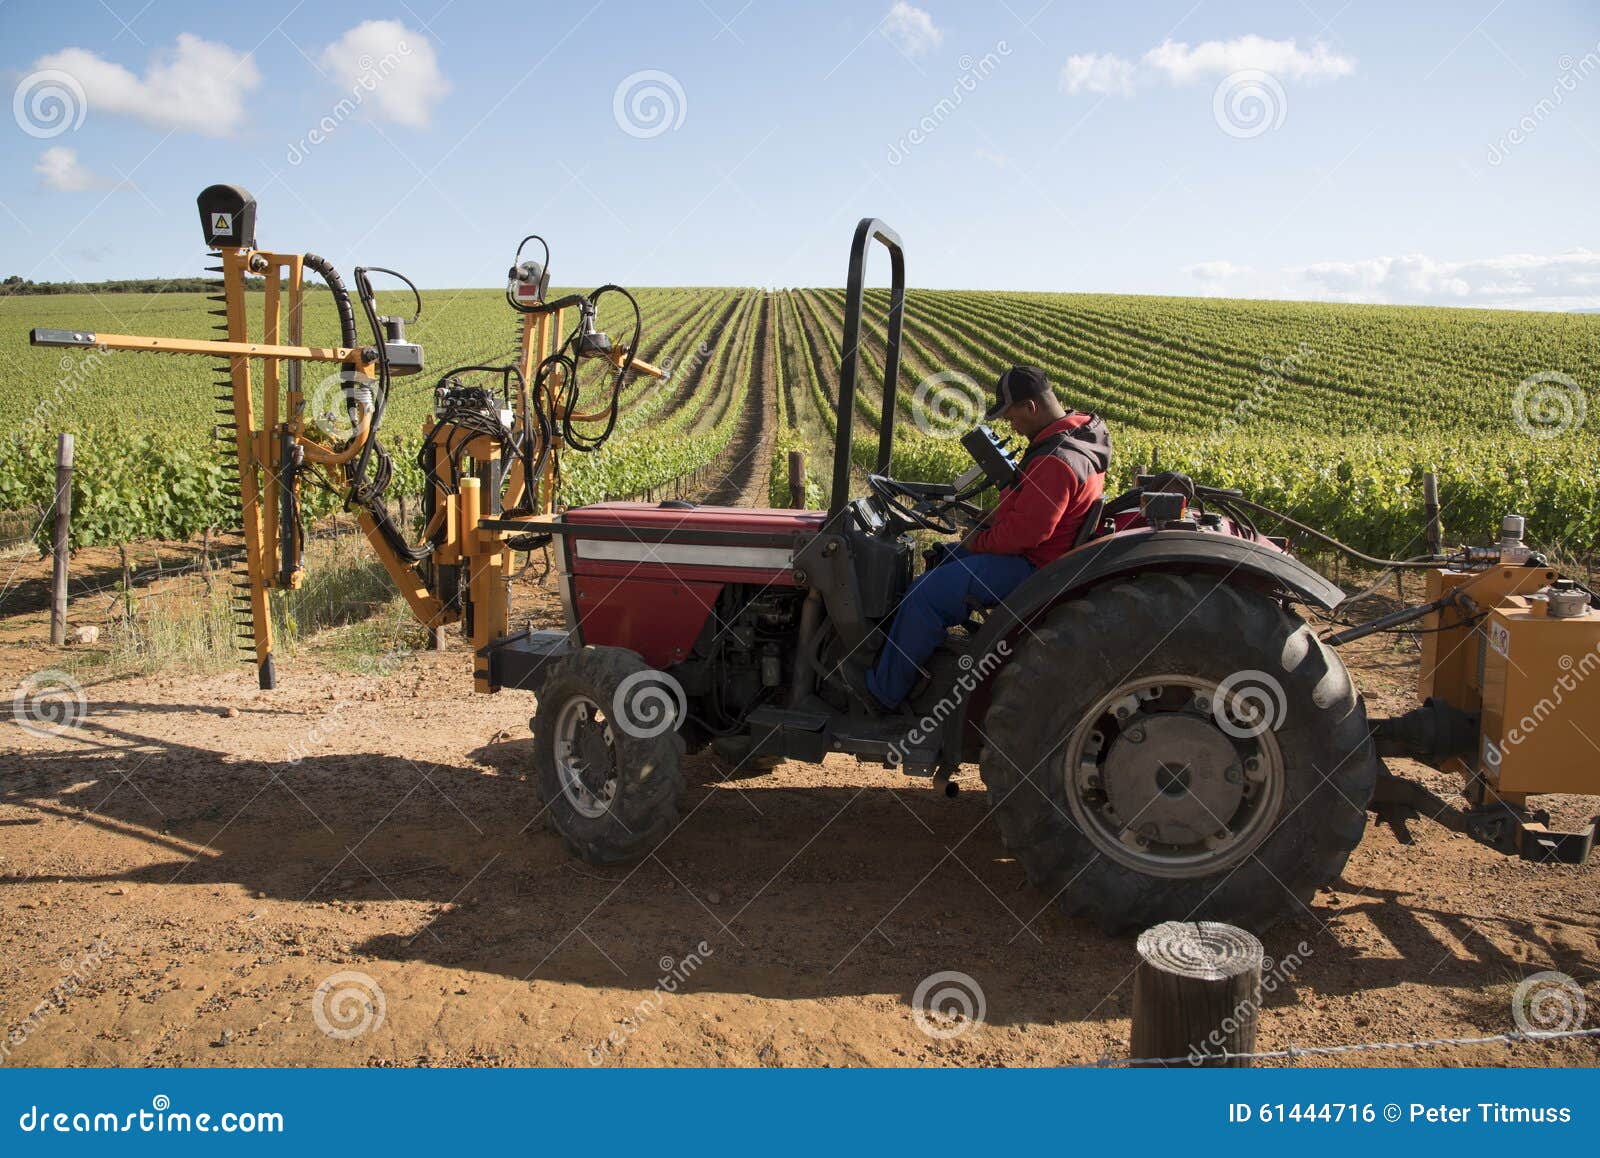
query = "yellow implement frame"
x=468 y=564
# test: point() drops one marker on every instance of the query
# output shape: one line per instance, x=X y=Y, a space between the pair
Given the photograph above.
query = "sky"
x=1388 y=152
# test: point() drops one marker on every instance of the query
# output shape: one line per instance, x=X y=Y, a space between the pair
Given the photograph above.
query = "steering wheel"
x=916 y=503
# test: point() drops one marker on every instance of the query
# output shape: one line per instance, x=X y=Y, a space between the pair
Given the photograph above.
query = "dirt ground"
x=354 y=870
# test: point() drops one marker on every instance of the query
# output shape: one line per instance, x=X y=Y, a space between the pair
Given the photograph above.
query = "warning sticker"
x=1500 y=638
x=222 y=223
x=1490 y=758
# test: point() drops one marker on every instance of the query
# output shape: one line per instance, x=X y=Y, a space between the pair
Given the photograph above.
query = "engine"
x=744 y=655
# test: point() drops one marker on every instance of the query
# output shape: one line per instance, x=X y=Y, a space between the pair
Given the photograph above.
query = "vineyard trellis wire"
x=1292 y=1052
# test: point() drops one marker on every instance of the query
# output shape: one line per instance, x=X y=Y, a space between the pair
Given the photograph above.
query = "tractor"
x=1161 y=732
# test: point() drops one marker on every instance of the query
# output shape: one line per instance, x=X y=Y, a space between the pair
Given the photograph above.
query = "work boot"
x=861 y=694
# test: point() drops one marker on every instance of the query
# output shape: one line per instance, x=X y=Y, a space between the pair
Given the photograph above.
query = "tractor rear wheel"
x=1199 y=755
x=607 y=753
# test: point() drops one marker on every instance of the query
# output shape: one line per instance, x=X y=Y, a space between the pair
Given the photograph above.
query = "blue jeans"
x=936 y=602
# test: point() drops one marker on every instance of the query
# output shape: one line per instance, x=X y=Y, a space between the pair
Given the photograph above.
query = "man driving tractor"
x=1061 y=475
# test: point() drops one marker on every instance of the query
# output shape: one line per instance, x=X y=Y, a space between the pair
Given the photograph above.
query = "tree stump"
x=1196 y=994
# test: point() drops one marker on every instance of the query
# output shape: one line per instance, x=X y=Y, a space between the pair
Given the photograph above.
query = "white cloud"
x=1214 y=276
x=390 y=69
x=198 y=86
x=1520 y=280
x=1214 y=270
x=911 y=29
x=1179 y=63
x=1285 y=60
x=1104 y=73
x=58 y=169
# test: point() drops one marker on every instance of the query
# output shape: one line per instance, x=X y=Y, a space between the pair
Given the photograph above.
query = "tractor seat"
x=1091 y=523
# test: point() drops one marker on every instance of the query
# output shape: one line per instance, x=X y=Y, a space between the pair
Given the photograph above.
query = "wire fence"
x=1293 y=1052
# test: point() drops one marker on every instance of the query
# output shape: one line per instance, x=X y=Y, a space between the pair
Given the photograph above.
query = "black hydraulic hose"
x=1420 y=562
x=341 y=296
x=355 y=473
x=589 y=307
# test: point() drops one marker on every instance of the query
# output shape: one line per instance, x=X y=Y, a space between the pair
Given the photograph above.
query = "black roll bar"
x=871 y=228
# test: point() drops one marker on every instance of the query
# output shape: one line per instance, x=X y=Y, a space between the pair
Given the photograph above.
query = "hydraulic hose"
x=1418 y=562
x=341 y=296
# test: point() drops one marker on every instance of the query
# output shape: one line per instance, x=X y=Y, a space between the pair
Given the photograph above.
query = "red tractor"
x=1160 y=733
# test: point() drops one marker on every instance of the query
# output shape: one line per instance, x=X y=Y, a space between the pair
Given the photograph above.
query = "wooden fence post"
x=797 y=479
x=1430 y=512
x=58 y=588
x=1196 y=994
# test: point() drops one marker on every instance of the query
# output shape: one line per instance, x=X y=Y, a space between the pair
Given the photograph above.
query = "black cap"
x=1017 y=385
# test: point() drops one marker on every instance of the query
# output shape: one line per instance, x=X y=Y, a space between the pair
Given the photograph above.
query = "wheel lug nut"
x=1135 y=735
x=1233 y=775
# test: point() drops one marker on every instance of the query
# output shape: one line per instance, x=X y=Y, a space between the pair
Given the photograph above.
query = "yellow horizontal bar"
x=639 y=366
x=134 y=343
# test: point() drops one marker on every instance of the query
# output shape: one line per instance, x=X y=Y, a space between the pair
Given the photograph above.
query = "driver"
x=1037 y=521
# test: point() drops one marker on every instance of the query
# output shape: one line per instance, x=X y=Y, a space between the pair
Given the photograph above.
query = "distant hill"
x=15 y=286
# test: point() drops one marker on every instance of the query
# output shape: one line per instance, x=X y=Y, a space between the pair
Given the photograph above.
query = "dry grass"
x=187 y=624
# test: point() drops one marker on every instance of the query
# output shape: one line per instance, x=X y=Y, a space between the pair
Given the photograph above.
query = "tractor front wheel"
x=1199 y=753
x=607 y=752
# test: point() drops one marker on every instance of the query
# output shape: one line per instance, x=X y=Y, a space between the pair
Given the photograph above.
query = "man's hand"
x=973 y=518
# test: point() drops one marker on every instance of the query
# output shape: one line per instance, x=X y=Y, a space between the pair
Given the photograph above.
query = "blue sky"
x=1442 y=153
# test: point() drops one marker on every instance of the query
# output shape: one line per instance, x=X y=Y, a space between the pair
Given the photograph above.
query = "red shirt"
x=1040 y=516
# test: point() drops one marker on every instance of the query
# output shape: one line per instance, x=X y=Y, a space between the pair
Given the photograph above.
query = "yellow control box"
x=1539 y=679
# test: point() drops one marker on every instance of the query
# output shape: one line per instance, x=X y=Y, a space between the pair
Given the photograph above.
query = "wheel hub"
x=1179 y=782
x=1156 y=782
x=586 y=757
x=594 y=757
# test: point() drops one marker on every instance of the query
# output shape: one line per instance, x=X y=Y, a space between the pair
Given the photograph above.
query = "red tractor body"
x=624 y=590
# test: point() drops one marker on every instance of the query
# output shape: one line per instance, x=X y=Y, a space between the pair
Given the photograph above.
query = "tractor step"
x=521 y=661
x=798 y=734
